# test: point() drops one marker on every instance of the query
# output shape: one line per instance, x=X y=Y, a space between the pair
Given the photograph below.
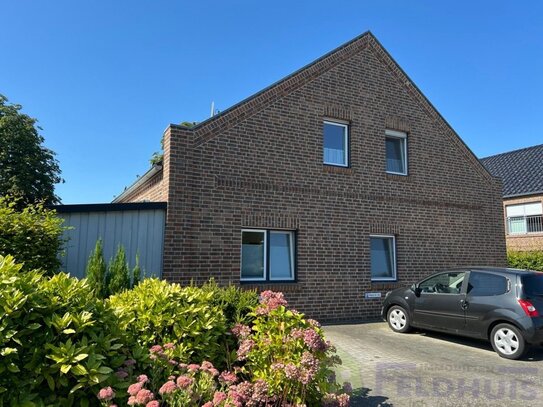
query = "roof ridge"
x=513 y=151
x=225 y=112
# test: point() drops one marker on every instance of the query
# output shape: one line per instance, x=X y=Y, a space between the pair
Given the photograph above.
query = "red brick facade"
x=525 y=242
x=260 y=164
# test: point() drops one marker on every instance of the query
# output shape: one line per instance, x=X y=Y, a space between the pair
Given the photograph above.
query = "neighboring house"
x=522 y=175
x=334 y=185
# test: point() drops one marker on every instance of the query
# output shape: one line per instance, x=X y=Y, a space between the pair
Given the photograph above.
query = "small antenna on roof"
x=212 y=109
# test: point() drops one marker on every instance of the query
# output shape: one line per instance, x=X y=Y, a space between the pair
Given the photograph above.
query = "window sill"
x=397 y=177
x=335 y=169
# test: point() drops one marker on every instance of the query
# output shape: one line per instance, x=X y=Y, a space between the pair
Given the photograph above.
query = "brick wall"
x=153 y=190
x=260 y=165
x=532 y=241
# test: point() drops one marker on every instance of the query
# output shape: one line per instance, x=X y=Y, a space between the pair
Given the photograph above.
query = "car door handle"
x=464 y=304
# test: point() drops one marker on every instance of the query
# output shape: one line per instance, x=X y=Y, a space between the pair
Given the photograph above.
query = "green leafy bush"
x=156 y=311
x=59 y=344
x=529 y=260
x=236 y=303
x=33 y=236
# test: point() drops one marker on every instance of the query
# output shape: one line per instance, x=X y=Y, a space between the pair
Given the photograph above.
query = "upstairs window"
x=267 y=255
x=524 y=218
x=396 y=152
x=336 y=144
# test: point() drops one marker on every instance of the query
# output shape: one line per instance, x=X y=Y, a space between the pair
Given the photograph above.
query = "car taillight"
x=528 y=308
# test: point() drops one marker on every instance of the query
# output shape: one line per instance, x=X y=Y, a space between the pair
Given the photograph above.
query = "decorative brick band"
x=338 y=112
x=292 y=188
x=270 y=221
x=385 y=228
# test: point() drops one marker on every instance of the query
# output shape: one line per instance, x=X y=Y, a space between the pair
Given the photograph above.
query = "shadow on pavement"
x=361 y=398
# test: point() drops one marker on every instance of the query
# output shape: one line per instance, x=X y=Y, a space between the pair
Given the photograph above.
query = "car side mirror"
x=416 y=289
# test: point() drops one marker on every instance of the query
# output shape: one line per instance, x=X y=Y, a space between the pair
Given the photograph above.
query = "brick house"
x=334 y=185
x=522 y=174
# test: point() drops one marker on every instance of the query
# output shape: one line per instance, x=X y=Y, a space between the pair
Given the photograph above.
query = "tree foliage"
x=32 y=235
x=28 y=170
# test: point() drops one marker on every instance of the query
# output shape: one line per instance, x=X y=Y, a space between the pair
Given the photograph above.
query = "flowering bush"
x=282 y=360
x=289 y=353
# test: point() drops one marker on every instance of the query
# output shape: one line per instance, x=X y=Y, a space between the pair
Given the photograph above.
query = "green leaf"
x=13 y=368
x=50 y=382
x=65 y=368
x=68 y=331
x=76 y=387
x=34 y=326
x=80 y=357
x=79 y=370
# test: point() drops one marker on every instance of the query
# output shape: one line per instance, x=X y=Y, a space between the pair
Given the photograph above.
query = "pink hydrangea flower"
x=244 y=348
x=206 y=366
x=228 y=378
x=313 y=340
x=152 y=403
x=193 y=367
x=168 y=387
x=208 y=404
x=269 y=301
x=156 y=349
x=169 y=345
x=132 y=401
x=143 y=378
x=241 y=331
x=219 y=397
x=144 y=396
x=106 y=394
x=184 y=381
x=134 y=389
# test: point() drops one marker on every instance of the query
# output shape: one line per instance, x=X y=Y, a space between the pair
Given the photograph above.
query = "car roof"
x=505 y=270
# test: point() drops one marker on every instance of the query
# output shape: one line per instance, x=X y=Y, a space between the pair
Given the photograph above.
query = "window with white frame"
x=267 y=255
x=336 y=143
x=383 y=257
x=396 y=152
x=524 y=218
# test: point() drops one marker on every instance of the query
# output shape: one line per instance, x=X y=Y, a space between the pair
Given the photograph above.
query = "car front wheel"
x=507 y=341
x=398 y=319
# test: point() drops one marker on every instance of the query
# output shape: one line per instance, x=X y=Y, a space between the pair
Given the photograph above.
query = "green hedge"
x=33 y=236
x=529 y=260
x=58 y=342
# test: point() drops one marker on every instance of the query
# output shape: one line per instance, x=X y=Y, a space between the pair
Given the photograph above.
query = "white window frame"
x=398 y=135
x=267 y=271
x=265 y=232
x=394 y=260
x=523 y=217
x=291 y=250
x=345 y=126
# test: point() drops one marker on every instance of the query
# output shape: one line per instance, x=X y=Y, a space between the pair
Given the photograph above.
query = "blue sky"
x=105 y=78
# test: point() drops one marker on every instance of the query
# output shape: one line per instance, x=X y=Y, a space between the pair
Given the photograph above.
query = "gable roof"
x=520 y=170
x=215 y=125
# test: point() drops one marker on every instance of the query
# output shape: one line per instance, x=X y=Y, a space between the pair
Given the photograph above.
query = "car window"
x=533 y=285
x=486 y=284
x=444 y=283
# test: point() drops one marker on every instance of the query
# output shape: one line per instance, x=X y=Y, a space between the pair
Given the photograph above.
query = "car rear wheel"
x=398 y=319
x=507 y=341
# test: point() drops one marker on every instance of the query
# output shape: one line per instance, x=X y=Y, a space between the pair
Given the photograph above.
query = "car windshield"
x=533 y=284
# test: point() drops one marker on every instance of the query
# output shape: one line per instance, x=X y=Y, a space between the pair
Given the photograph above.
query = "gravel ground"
x=431 y=369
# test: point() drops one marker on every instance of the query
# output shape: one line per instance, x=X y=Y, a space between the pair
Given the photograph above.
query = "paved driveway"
x=432 y=370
